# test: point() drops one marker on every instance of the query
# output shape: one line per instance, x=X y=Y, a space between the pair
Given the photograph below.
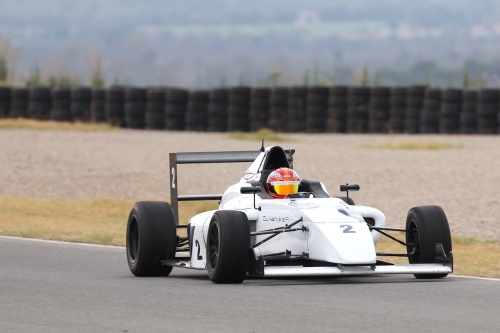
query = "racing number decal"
x=347 y=229
x=173 y=177
x=197 y=244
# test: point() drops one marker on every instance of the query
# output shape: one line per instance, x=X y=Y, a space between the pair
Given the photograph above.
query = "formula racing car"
x=304 y=233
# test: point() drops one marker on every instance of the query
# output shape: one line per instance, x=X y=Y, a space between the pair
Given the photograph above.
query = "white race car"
x=308 y=233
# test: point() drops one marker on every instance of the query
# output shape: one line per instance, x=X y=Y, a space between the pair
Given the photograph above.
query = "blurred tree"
x=4 y=71
x=34 y=78
x=465 y=77
x=305 y=78
x=97 y=80
x=365 y=77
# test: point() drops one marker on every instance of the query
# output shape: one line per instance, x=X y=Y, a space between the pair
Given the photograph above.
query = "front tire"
x=426 y=225
x=151 y=238
x=227 y=247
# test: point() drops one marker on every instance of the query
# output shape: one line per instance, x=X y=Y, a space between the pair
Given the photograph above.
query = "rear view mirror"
x=250 y=190
x=348 y=187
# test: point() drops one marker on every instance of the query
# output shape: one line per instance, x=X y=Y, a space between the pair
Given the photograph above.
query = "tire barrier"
x=217 y=110
x=61 y=104
x=451 y=107
x=196 y=111
x=5 y=98
x=135 y=107
x=429 y=118
x=468 y=117
x=317 y=109
x=337 y=110
x=414 y=105
x=175 y=108
x=97 y=106
x=259 y=108
x=357 y=110
x=379 y=110
x=155 y=109
x=40 y=103
x=238 y=109
x=397 y=112
x=80 y=103
x=487 y=111
x=114 y=106
x=296 y=112
x=278 y=105
x=19 y=103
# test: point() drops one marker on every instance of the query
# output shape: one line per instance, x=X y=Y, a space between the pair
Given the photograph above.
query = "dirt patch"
x=134 y=165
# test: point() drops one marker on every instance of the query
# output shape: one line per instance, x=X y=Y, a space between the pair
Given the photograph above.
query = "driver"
x=282 y=182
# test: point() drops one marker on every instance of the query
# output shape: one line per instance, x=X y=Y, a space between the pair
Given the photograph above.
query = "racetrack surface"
x=60 y=287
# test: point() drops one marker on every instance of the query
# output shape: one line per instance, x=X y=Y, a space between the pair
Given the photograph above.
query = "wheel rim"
x=413 y=243
x=213 y=245
x=133 y=240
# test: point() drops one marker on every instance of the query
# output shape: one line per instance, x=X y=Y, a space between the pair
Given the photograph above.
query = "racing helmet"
x=281 y=182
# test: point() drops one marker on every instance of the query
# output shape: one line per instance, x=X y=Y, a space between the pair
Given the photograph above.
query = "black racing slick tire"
x=151 y=238
x=227 y=247
x=426 y=226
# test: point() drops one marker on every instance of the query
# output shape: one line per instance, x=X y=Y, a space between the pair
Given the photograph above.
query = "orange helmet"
x=281 y=182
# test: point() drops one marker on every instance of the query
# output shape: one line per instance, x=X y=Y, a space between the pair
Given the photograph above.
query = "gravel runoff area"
x=134 y=165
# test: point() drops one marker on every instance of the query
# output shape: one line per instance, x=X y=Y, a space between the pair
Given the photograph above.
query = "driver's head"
x=281 y=182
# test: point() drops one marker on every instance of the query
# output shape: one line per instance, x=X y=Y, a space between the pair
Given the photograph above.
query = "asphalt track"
x=58 y=287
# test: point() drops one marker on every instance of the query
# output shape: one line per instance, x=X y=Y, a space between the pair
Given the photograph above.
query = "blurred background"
x=204 y=44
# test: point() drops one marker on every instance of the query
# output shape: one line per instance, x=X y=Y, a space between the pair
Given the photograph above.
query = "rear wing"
x=206 y=157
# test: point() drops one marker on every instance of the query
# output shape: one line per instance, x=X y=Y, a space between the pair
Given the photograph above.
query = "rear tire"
x=427 y=226
x=151 y=237
x=227 y=247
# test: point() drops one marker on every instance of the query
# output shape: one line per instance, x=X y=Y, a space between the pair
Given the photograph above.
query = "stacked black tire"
x=115 y=106
x=61 y=104
x=175 y=108
x=278 y=104
x=451 y=107
x=196 y=112
x=337 y=110
x=217 y=110
x=414 y=106
x=135 y=107
x=487 y=111
x=238 y=109
x=429 y=118
x=379 y=111
x=468 y=116
x=317 y=109
x=358 y=99
x=40 y=103
x=97 y=106
x=5 y=97
x=80 y=103
x=296 y=112
x=155 y=109
x=259 y=108
x=19 y=103
x=397 y=112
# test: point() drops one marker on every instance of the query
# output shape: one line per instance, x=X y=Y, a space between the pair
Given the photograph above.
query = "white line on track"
x=122 y=247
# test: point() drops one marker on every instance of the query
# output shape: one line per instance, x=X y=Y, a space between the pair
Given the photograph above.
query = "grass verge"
x=262 y=134
x=104 y=221
x=414 y=145
x=49 y=125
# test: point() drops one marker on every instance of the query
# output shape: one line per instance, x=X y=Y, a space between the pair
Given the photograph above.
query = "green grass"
x=50 y=125
x=263 y=134
x=413 y=145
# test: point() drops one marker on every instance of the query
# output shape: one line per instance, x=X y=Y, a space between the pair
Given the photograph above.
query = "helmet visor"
x=285 y=189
